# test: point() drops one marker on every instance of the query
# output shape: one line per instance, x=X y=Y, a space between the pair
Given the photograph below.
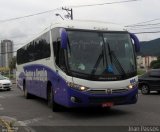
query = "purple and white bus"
x=80 y=64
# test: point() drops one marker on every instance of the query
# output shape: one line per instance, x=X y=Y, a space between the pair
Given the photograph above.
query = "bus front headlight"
x=76 y=86
x=131 y=86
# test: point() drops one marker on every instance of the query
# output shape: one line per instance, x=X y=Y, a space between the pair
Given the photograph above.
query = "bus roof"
x=88 y=25
x=81 y=24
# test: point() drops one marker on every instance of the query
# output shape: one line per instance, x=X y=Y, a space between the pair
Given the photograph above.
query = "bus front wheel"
x=50 y=99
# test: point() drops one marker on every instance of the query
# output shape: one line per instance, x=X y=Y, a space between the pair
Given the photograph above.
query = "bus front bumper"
x=84 y=99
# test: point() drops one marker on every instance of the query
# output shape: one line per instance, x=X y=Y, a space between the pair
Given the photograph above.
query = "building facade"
x=143 y=62
x=6 y=53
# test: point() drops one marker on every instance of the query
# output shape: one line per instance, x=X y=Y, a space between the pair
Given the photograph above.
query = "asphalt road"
x=36 y=116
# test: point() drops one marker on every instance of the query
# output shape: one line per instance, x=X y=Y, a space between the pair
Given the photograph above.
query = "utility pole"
x=69 y=11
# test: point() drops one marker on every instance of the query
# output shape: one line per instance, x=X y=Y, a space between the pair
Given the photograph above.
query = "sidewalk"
x=8 y=124
x=13 y=81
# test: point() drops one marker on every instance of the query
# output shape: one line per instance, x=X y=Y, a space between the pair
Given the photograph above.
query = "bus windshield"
x=101 y=54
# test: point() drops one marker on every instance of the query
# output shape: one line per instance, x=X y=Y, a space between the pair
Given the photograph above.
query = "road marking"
x=27 y=129
x=30 y=121
x=1 y=108
x=2 y=97
x=7 y=95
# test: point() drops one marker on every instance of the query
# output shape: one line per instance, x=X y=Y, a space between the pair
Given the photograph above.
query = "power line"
x=23 y=43
x=12 y=37
x=14 y=45
x=31 y=15
x=8 y=52
x=147 y=32
x=144 y=25
x=74 y=6
x=143 y=28
x=107 y=3
x=136 y=24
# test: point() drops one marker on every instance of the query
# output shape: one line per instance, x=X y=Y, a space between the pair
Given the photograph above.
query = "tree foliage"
x=155 y=64
x=12 y=64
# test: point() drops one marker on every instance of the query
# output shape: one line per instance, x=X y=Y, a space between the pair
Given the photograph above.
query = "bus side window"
x=59 y=56
x=58 y=52
x=62 y=64
x=56 y=44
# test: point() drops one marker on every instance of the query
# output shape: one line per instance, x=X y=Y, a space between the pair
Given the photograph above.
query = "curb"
x=6 y=125
x=9 y=124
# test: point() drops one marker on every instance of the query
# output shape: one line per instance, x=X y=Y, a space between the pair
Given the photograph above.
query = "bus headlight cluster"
x=76 y=86
x=131 y=86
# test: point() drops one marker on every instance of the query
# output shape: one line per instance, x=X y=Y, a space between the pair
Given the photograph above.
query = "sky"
x=21 y=30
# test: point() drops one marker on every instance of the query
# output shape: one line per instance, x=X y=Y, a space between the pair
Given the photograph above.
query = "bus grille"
x=115 y=100
x=104 y=91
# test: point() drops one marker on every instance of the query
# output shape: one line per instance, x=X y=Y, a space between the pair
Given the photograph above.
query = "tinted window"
x=59 y=53
x=35 y=50
x=56 y=40
x=100 y=53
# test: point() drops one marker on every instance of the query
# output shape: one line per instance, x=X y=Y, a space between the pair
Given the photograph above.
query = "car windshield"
x=2 y=77
x=100 y=53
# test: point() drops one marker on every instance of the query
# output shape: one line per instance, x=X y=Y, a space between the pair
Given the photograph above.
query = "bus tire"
x=56 y=107
x=49 y=97
x=26 y=94
x=50 y=100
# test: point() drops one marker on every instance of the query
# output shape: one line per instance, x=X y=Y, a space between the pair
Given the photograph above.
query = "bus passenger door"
x=61 y=72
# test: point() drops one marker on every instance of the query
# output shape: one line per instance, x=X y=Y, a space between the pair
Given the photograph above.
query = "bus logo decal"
x=38 y=75
x=108 y=91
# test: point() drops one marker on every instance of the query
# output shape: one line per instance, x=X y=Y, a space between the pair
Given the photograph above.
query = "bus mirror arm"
x=136 y=42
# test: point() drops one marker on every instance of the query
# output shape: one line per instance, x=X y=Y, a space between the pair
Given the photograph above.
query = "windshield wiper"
x=114 y=59
x=102 y=55
x=97 y=63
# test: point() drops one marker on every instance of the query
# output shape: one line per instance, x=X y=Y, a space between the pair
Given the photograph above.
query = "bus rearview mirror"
x=136 y=42
x=64 y=38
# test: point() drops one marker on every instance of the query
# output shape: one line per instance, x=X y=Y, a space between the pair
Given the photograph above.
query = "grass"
x=140 y=72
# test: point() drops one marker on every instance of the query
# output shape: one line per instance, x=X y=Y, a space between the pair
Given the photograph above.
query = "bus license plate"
x=107 y=104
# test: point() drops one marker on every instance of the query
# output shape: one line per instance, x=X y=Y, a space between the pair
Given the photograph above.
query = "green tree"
x=155 y=64
x=12 y=64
